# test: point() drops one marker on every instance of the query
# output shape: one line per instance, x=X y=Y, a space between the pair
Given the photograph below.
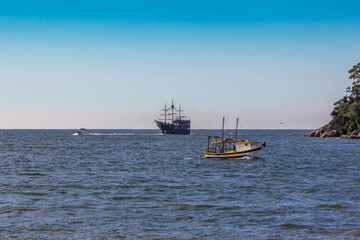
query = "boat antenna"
x=222 y=134
x=237 y=123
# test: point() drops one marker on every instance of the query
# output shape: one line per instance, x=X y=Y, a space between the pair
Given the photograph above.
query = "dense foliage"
x=346 y=114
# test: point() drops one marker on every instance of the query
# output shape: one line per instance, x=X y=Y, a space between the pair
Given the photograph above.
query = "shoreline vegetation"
x=346 y=113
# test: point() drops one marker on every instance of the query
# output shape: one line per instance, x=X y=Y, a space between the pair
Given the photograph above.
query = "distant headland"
x=346 y=113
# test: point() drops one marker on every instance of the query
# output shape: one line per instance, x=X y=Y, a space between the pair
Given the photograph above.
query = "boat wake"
x=112 y=134
x=121 y=134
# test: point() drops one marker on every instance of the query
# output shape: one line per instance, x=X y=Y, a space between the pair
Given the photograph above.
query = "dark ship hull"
x=179 y=127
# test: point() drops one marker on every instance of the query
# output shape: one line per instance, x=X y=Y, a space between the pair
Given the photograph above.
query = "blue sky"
x=114 y=64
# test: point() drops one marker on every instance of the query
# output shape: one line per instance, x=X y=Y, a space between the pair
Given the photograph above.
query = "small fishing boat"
x=218 y=147
x=82 y=131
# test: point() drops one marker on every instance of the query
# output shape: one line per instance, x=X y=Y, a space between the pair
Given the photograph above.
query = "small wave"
x=188 y=158
x=32 y=174
x=122 y=198
x=355 y=233
x=26 y=209
x=196 y=206
x=38 y=194
x=294 y=226
x=333 y=206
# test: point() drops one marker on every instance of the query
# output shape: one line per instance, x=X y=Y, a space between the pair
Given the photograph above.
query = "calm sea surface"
x=137 y=184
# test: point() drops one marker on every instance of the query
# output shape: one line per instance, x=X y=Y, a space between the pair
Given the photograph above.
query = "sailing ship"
x=173 y=122
x=219 y=147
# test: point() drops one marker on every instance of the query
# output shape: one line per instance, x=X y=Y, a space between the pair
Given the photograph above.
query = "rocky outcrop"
x=353 y=135
x=327 y=131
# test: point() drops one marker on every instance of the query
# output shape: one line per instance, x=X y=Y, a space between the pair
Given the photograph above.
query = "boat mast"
x=209 y=137
x=172 y=111
x=165 y=110
x=237 y=122
x=222 y=134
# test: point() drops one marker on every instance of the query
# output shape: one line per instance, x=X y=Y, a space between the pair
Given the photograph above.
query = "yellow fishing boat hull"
x=249 y=153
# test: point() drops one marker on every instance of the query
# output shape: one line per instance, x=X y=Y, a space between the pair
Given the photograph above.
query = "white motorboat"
x=82 y=131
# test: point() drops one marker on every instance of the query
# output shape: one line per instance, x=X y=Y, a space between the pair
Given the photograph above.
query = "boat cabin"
x=219 y=145
x=227 y=145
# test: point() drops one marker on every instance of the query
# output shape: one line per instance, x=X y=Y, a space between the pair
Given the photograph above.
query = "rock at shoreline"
x=353 y=135
x=327 y=131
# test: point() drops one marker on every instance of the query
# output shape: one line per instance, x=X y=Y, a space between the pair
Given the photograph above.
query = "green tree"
x=355 y=77
x=346 y=113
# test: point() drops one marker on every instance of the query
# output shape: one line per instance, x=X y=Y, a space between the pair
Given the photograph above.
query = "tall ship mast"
x=172 y=121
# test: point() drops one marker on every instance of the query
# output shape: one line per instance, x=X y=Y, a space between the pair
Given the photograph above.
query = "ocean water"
x=138 y=184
